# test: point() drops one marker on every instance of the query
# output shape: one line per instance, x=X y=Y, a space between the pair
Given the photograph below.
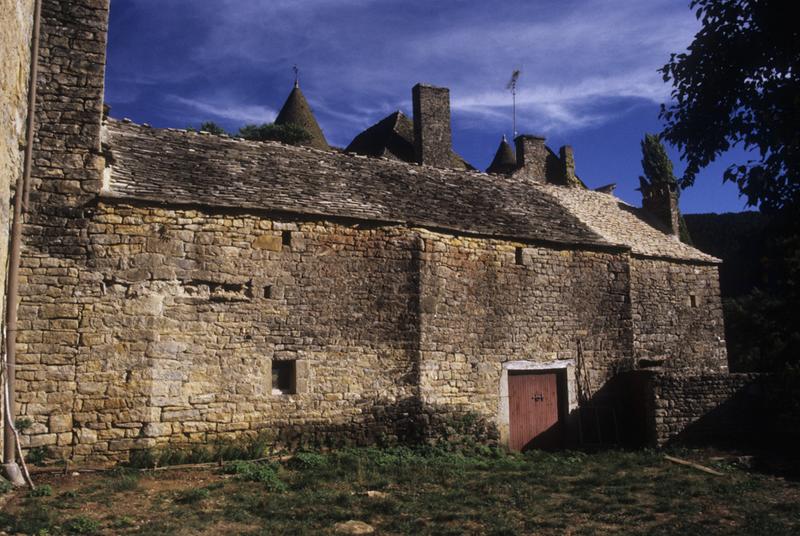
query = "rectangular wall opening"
x=284 y=377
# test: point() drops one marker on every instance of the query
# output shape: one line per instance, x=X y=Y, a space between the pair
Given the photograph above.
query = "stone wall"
x=161 y=326
x=72 y=54
x=677 y=315
x=142 y=327
x=485 y=303
x=708 y=408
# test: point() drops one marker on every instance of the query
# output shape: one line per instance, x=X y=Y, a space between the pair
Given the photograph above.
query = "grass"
x=420 y=491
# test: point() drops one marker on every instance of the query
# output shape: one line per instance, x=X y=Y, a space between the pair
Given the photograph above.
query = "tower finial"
x=296 y=76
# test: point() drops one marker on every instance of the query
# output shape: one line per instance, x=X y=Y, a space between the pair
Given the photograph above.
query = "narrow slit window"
x=693 y=300
x=268 y=292
x=286 y=238
x=284 y=377
x=518 y=259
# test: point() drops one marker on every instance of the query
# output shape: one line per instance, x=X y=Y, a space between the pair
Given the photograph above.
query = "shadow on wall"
x=613 y=416
x=742 y=420
x=720 y=410
x=383 y=423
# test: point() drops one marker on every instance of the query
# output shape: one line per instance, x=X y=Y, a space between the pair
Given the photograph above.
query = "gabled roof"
x=296 y=111
x=393 y=137
x=621 y=223
x=505 y=160
x=177 y=167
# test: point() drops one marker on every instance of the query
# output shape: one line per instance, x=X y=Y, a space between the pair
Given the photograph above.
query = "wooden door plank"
x=533 y=411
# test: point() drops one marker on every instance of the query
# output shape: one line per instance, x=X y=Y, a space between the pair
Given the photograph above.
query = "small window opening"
x=286 y=238
x=518 y=257
x=268 y=292
x=283 y=377
x=693 y=300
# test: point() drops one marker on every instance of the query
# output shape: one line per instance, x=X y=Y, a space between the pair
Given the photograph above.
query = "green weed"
x=192 y=496
x=82 y=525
x=256 y=472
x=44 y=490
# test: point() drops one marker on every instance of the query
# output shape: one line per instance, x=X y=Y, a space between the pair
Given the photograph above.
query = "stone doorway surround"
x=558 y=365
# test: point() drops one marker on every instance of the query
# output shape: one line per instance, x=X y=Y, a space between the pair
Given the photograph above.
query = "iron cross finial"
x=296 y=76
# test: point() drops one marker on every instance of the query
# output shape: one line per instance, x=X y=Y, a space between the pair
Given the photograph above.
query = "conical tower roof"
x=505 y=161
x=296 y=111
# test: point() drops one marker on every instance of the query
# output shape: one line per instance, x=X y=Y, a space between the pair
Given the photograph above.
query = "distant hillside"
x=738 y=239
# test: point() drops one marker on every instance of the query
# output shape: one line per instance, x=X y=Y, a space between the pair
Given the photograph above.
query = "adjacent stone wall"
x=677 y=315
x=486 y=302
x=708 y=408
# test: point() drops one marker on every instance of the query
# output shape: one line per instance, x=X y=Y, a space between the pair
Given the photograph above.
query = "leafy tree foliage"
x=739 y=85
x=656 y=164
x=763 y=325
x=212 y=128
x=290 y=134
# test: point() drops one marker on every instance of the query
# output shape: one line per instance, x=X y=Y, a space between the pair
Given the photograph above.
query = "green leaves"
x=738 y=86
x=290 y=134
x=656 y=164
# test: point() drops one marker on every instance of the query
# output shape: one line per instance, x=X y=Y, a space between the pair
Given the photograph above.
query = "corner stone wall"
x=677 y=315
x=72 y=59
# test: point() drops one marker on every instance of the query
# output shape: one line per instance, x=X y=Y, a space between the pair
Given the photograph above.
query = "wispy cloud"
x=226 y=110
x=359 y=58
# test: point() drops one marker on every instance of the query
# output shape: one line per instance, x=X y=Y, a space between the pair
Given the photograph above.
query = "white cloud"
x=236 y=112
x=359 y=58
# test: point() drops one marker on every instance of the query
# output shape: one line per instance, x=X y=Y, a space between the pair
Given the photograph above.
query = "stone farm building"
x=179 y=288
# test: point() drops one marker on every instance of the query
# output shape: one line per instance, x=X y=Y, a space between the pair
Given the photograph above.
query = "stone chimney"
x=567 y=158
x=432 y=136
x=531 y=157
x=661 y=200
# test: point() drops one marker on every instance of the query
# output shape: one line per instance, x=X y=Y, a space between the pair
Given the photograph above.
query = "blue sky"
x=589 y=71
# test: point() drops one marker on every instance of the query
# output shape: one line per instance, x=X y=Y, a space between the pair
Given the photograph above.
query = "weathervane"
x=296 y=76
x=512 y=85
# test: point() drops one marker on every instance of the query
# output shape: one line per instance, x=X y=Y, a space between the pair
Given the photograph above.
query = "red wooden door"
x=533 y=411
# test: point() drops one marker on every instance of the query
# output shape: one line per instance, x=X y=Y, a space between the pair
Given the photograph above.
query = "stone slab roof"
x=178 y=167
x=621 y=223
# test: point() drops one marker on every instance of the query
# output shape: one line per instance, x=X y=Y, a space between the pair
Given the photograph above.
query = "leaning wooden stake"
x=693 y=465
